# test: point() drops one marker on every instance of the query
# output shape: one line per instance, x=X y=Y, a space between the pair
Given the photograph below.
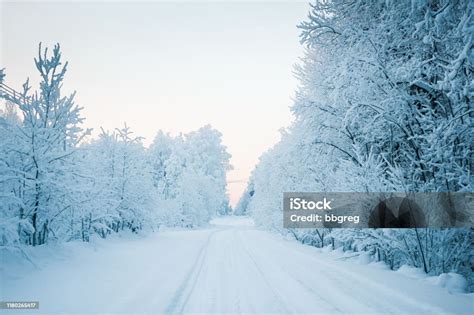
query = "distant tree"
x=189 y=172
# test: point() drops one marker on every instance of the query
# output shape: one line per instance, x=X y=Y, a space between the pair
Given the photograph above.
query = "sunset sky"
x=174 y=66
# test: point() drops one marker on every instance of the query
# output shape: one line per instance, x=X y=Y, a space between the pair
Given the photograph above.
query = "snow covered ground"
x=230 y=267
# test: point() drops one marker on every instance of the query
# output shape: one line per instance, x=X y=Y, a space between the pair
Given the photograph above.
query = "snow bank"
x=453 y=282
x=411 y=272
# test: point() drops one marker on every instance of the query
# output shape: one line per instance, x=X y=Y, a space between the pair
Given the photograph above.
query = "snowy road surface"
x=229 y=268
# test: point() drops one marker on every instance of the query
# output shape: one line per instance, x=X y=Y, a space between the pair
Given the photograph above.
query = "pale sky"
x=174 y=66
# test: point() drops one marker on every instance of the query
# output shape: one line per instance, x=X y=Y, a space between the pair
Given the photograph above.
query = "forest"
x=60 y=184
x=384 y=103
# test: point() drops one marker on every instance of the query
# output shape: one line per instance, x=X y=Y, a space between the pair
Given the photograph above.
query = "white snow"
x=451 y=281
x=230 y=267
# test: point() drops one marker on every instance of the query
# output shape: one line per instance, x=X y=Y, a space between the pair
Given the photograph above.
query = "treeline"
x=384 y=104
x=57 y=184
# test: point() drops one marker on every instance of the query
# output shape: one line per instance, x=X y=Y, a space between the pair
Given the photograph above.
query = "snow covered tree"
x=209 y=158
x=190 y=174
x=56 y=183
x=390 y=111
x=10 y=178
x=400 y=89
x=45 y=143
x=159 y=154
x=122 y=194
x=242 y=206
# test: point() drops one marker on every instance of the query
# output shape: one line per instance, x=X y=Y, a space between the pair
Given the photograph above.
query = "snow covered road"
x=229 y=268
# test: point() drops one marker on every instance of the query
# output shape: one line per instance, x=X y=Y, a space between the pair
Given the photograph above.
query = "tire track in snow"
x=234 y=266
x=384 y=294
x=185 y=290
x=333 y=287
x=282 y=306
x=237 y=266
x=307 y=287
x=376 y=296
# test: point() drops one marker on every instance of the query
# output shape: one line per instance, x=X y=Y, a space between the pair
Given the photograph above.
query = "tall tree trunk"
x=420 y=245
